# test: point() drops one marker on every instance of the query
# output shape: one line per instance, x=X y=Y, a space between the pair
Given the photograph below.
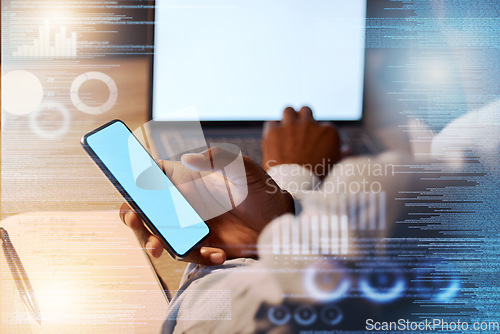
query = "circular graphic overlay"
x=94 y=110
x=279 y=315
x=22 y=92
x=305 y=315
x=41 y=131
x=438 y=284
x=325 y=285
x=331 y=315
x=383 y=286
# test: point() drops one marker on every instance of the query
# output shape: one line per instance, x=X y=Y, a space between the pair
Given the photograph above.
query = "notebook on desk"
x=232 y=66
x=87 y=273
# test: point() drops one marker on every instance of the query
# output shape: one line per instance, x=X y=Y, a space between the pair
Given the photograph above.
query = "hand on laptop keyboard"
x=299 y=139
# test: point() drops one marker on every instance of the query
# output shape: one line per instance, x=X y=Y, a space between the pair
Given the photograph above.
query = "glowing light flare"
x=435 y=72
x=59 y=301
x=447 y=294
x=22 y=92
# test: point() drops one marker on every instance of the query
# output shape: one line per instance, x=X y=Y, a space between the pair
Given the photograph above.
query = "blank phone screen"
x=145 y=183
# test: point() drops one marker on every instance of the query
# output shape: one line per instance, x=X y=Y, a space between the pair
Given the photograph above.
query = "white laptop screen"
x=246 y=60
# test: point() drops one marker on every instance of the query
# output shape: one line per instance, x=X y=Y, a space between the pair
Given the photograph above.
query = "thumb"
x=207 y=256
x=199 y=161
x=168 y=166
x=216 y=159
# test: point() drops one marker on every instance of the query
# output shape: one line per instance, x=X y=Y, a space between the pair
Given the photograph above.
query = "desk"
x=87 y=274
x=40 y=173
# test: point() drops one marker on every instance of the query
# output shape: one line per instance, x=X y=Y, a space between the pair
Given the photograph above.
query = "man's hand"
x=299 y=139
x=232 y=234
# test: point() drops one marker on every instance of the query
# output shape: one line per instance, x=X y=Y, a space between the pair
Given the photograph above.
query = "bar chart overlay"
x=51 y=42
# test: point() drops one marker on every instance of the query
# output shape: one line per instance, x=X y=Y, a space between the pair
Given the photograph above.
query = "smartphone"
x=147 y=189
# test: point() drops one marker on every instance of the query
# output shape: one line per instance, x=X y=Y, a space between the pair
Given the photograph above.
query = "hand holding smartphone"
x=146 y=188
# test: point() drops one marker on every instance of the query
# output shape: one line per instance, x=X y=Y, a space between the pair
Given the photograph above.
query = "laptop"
x=220 y=69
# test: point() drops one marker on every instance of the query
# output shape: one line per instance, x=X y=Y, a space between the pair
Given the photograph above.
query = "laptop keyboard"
x=358 y=140
x=250 y=144
x=354 y=138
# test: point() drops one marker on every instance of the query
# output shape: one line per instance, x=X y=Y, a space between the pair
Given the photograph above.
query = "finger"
x=135 y=223
x=199 y=161
x=230 y=165
x=305 y=114
x=212 y=159
x=268 y=126
x=168 y=166
x=154 y=246
x=331 y=129
x=124 y=209
x=207 y=256
x=289 y=116
x=132 y=220
x=148 y=241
